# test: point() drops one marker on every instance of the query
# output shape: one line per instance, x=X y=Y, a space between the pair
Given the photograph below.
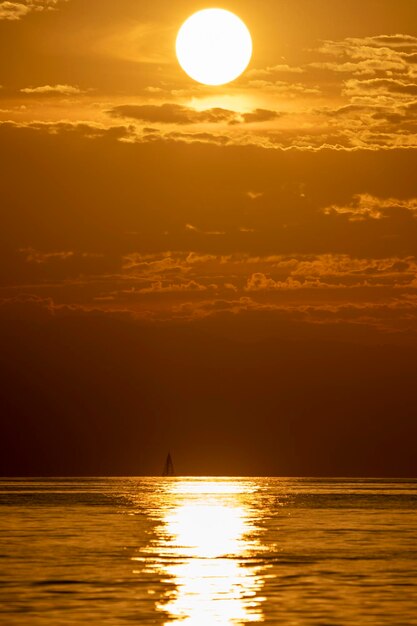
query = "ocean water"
x=208 y=551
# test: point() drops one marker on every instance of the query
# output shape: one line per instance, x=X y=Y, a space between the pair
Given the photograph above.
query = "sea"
x=208 y=551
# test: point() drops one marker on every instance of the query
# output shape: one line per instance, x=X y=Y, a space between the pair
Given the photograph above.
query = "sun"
x=214 y=46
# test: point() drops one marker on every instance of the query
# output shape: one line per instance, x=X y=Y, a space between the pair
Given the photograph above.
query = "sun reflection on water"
x=205 y=540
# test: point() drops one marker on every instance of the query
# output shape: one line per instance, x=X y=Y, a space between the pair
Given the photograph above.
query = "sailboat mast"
x=168 y=467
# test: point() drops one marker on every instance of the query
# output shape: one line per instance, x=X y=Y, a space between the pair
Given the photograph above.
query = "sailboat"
x=168 y=467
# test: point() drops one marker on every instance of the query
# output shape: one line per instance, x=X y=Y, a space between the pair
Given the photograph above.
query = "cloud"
x=65 y=90
x=366 y=206
x=376 y=79
x=153 y=245
x=33 y=308
x=382 y=86
x=260 y=115
x=14 y=11
x=40 y=257
x=161 y=287
x=370 y=55
x=191 y=138
x=329 y=271
x=181 y=281
x=36 y=256
x=373 y=113
x=348 y=94
x=388 y=317
x=195 y=229
x=82 y=130
x=264 y=275
x=260 y=282
x=170 y=113
x=274 y=70
x=30 y=307
x=280 y=87
x=254 y=195
x=394 y=41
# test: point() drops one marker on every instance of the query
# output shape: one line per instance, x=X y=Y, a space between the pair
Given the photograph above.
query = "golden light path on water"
x=204 y=542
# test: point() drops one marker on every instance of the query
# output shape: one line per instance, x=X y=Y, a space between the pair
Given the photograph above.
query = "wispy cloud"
x=365 y=207
x=275 y=70
x=64 y=90
x=201 y=231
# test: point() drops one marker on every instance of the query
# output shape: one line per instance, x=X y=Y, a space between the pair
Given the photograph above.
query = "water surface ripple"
x=208 y=551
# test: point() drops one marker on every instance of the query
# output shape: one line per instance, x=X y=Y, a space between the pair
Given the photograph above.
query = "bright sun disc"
x=214 y=46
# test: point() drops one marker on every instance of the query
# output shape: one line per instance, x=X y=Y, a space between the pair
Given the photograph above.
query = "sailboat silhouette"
x=168 y=467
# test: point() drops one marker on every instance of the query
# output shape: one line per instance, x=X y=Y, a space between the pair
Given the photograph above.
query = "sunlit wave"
x=205 y=530
x=204 y=544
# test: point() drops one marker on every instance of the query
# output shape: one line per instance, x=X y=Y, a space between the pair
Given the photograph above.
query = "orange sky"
x=279 y=208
